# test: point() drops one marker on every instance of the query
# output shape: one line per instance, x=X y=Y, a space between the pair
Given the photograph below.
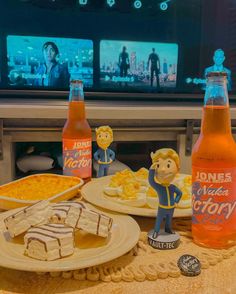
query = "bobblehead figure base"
x=163 y=240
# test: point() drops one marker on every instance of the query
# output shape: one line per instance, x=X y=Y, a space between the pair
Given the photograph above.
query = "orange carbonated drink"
x=77 y=136
x=214 y=170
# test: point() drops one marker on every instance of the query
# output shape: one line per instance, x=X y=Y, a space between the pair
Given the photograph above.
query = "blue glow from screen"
x=111 y=3
x=137 y=4
x=83 y=2
x=139 y=71
x=163 y=6
x=28 y=61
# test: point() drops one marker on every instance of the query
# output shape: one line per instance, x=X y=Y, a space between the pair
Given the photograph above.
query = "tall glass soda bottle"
x=77 y=136
x=214 y=170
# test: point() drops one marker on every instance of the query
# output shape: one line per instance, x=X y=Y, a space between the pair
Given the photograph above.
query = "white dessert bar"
x=77 y=215
x=89 y=221
x=19 y=222
x=49 y=242
x=60 y=210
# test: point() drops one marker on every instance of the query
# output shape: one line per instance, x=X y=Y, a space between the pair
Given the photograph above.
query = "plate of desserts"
x=63 y=236
x=30 y=189
x=130 y=193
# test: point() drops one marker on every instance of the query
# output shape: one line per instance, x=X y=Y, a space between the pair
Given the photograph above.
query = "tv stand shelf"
x=34 y=120
x=99 y=110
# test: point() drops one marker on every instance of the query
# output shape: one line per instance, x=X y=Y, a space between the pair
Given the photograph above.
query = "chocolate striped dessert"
x=89 y=221
x=60 y=210
x=77 y=215
x=49 y=242
x=36 y=214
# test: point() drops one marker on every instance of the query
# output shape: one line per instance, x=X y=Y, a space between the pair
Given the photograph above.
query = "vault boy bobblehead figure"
x=104 y=156
x=165 y=166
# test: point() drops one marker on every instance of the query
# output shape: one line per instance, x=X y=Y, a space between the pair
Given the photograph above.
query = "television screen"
x=49 y=62
x=165 y=47
x=142 y=66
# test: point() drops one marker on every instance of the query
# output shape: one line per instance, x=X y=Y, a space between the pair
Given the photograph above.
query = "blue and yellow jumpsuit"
x=105 y=157
x=168 y=195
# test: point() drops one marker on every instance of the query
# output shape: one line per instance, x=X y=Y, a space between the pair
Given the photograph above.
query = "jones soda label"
x=77 y=157
x=213 y=195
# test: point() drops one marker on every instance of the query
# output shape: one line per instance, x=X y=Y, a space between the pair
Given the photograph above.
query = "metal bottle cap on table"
x=189 y=265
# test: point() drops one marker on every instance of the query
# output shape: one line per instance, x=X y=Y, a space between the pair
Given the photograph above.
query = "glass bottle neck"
x=76 y=93
x=216 y=113
x=216 y=92
x=76 y=110
x=76 y=102
x=216 y=120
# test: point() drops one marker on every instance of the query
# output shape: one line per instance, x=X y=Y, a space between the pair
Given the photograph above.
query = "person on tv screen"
x=154 y=60
x=219 y=58
x=51 y=72
x=124 y=62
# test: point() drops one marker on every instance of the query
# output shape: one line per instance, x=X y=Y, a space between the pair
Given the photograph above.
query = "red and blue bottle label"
x=77 y=157
x=213 y=195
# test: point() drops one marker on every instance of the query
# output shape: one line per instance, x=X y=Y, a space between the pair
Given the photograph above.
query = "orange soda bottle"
x=77 y=136
x=214 y=170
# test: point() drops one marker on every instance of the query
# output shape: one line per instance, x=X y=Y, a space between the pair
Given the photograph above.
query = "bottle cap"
x=189 y=265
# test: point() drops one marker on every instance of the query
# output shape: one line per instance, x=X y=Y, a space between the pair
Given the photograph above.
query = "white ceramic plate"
x=90 y=250
x=93 y=193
